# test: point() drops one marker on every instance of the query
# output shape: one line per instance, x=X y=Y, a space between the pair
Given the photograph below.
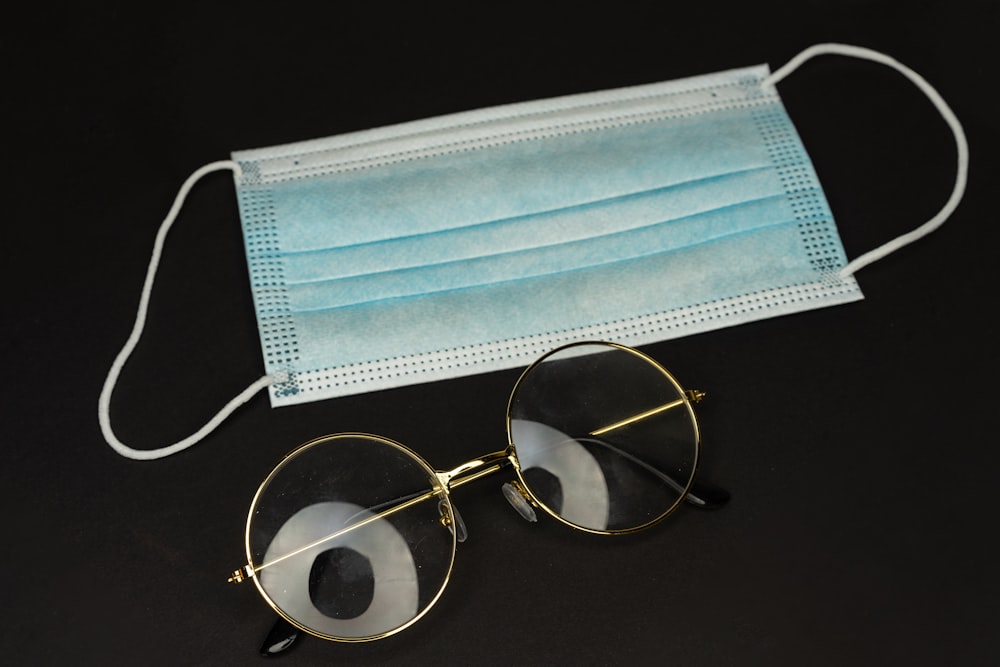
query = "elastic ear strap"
x=104 y=403
x=961 y=144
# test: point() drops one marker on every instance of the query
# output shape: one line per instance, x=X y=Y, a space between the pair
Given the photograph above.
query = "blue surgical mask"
x=477 y=241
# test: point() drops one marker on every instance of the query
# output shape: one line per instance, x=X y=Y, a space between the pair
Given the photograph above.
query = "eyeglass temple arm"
x=279 y=639
x=691 y=395
x=249 y=570
x=700 y=494
x=463 y=474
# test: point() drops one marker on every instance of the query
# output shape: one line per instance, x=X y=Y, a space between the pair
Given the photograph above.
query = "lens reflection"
x=346 y=537
x=605 y=438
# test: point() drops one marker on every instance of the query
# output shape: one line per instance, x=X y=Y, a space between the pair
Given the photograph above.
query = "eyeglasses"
x=352 y=536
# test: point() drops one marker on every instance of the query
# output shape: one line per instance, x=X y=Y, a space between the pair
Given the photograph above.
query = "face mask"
x=477 y=241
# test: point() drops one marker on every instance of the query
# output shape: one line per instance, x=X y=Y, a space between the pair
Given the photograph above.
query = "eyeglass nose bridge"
x=463 y=474
x=476 y=468
x=513 y=491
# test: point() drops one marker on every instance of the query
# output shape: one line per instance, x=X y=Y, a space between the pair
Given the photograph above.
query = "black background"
x=857 y=441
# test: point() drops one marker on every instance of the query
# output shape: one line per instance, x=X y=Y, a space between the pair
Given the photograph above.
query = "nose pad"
x=453 y=521
x=519 y=500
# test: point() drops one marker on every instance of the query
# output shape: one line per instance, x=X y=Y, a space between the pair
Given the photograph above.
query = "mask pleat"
x=474 y=242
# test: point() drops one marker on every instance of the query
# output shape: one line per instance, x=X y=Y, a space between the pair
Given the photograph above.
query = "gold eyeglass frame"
x=443 y=481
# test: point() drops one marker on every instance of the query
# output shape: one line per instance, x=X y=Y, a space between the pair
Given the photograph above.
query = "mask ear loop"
x=104 y=402
x=961 y=143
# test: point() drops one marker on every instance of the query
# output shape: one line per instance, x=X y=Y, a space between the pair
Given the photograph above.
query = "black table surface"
x=857 y=441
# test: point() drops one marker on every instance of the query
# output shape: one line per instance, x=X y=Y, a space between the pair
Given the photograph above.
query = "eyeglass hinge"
x=241 y=575
x=694 y=395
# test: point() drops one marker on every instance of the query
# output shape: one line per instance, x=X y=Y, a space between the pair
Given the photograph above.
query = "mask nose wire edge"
x=961 y=143
x=104 y=402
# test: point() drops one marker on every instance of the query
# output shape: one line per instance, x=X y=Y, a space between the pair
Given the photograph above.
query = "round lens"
x=605 y=438
x=349 y=537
